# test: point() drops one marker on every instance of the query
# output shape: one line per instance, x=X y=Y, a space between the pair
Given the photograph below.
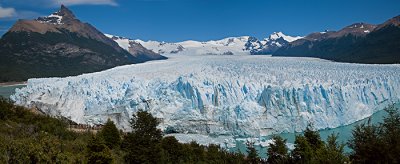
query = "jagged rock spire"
x=65 y=13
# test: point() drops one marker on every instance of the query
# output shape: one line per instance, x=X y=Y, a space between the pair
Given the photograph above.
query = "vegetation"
x=377 y=143
x=277 y=151
x=110 y=134
x=28 y=137
x=97 y=151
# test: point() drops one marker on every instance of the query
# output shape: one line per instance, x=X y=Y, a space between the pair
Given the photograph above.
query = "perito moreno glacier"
x=221 y=95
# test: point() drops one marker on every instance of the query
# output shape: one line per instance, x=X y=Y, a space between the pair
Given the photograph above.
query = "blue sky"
x=178 y=20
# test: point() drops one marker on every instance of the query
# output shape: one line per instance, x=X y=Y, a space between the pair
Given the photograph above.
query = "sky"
x=179 y=20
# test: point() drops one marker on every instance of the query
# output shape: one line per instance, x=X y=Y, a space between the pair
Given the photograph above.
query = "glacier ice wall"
x=222 y=95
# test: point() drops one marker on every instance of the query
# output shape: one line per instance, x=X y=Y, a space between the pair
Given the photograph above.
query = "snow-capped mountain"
x=227 y=46
x=59 y=45
x=221 y=95
x=278 y=35
x=269 y=45
x=135 y=48
x=243 y=45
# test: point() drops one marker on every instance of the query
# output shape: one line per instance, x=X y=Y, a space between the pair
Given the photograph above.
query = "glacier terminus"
x=244 y=95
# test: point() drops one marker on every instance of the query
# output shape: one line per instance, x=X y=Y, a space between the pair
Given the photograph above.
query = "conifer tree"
x=110 y=134
x=332 y=152
x=252 y=156
x=277 y=151
x=143 y=143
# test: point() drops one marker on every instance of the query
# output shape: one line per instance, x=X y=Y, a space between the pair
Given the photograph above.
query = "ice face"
x=221 y=95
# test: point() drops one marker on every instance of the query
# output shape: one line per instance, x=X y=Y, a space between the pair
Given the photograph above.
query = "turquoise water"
x=344 y=133
x=7 y=91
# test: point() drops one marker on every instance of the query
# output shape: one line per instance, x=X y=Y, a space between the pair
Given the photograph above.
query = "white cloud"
x=85 y=2
x=7 y=12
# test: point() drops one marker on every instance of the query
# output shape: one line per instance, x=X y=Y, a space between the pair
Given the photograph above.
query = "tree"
x=307 y=146
x=98 y=152
x=252 y=156
x=331 y=152
x=390 y=133
x=143 y=143
x=173 y=149
x=377 y=143
x=277 y=151
x=313 y=138
x=214 y=154
x=198 y=152
x=303 y=151
x=110 y=134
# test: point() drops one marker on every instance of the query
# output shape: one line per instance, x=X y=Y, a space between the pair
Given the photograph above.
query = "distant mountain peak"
x=64 y=15
x=356 y=29
x=395 y=21
x=278 y=35
x=360 y=26
x=65 y=12
x=135 y=48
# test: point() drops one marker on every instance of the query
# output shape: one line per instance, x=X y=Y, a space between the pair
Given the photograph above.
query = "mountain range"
x=61 y=45
x=243 y=45
x=356 y=43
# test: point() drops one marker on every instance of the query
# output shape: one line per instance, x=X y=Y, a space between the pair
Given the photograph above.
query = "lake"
x=7 y=91
x=344 y=133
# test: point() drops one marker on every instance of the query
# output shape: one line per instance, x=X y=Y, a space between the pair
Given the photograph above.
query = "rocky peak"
x=62 y=16
x=65 y=13
x=279 y=36
x=395 y=21
x=356 y=29
x=276 y=35
x=318 y=35
x=360 y=27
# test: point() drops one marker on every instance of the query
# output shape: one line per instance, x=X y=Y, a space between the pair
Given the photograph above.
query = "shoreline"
x=8 y=84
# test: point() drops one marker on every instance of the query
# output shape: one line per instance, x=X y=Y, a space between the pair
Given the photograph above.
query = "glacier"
x=245 y=95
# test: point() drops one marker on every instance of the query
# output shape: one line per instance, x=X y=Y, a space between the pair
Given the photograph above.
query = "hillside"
x=59 y=45
x=357 y=43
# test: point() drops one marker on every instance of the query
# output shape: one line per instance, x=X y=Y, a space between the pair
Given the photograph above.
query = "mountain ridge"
x=356 y=43
x=241 y=45
x=60 y=45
